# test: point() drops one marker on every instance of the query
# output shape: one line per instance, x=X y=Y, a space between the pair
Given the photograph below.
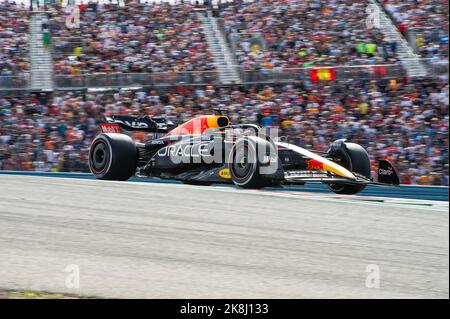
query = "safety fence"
x=437 y=67
x=363 y=72
x=15 y=82
x=266 y=76
x=99 y=80
x=117 y=80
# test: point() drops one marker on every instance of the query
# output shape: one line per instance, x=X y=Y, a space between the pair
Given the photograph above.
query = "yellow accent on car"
x=327 y=164
x=225 y=173
x=338 y=170
x=213 y=121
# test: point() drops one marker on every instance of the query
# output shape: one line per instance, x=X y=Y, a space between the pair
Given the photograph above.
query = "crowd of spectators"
x=14 y=22
x=414 y=13
x=403 y=120
x=295 y=34
x=292 y=34
x=426 y=20
x=137 y=38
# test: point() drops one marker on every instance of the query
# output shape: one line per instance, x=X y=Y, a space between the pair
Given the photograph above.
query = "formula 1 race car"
x=208 y=149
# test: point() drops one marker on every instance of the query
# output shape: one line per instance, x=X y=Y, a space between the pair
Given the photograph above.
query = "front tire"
x=113 y=156
x=245 y=163
x=357 y=161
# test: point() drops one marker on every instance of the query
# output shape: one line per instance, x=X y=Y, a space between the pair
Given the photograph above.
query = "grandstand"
x=272 y=62
x=14 y=57
x=297 y=34
x=133 y=39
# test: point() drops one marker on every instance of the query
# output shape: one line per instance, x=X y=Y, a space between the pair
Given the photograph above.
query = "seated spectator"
x=138 y=38
x=14 y=24
x=427 y=21
x=300 y=34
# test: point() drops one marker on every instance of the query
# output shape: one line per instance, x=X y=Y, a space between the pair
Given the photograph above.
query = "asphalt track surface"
x=432 y=193
x=148 y=240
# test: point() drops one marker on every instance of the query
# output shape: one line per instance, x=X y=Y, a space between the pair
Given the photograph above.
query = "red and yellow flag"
x=322 y=74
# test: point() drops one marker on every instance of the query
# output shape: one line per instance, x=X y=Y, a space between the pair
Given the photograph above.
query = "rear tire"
x=113 y=156
x=359 y=163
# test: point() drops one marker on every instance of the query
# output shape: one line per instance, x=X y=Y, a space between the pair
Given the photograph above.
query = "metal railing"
x=14 y=82
x=123 y=80
x=119 y=80
x=341 y=73
x=437 y=67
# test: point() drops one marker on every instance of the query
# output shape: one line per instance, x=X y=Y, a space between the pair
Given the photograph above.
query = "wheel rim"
x=242 y=168
x=99 y=157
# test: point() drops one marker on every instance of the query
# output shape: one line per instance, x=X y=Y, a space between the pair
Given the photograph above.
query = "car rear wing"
x=116 y=123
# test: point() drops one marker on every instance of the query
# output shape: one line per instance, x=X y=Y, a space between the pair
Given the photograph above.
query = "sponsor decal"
x=304 y=174
x=134 y=124
x=110 y=128
x=184 y=150
x=156 y=142
x=386 y=172
x=225 y=173
x=315 y=165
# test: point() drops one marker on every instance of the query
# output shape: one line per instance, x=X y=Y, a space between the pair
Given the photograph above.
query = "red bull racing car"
x=208 y=149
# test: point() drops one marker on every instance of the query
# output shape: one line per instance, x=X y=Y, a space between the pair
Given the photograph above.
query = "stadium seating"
x=14 y=59
x=138 y=38
x=304 y=33
x=427 y=21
